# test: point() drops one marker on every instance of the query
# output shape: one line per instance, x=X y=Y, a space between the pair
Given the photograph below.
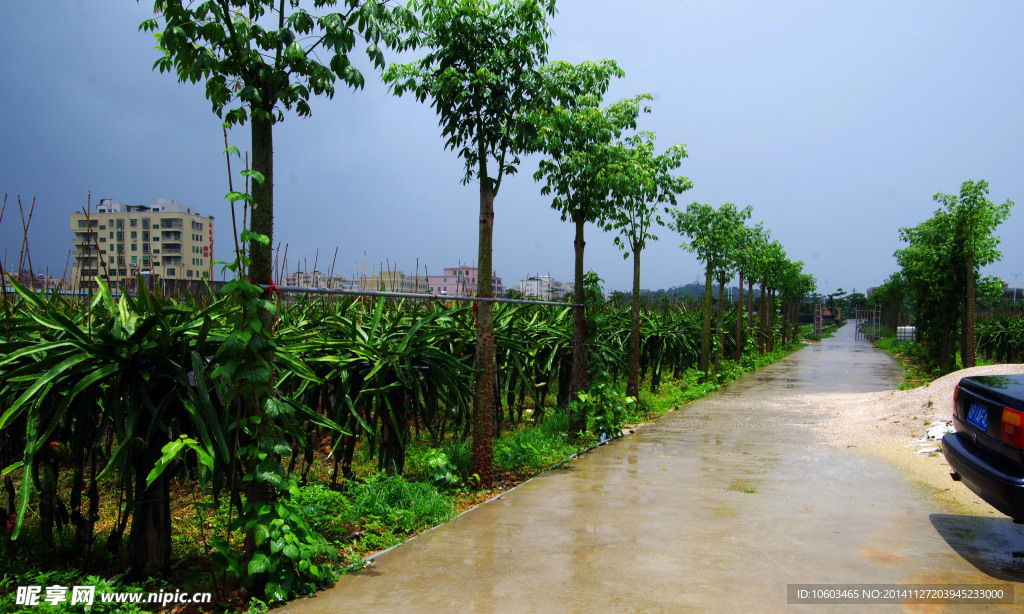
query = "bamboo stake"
x=26 y=256
x=330 y=274
x=64 y=275
x=3 y=273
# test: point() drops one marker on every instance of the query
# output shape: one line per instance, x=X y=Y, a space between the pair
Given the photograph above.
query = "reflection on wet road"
x=716 y=507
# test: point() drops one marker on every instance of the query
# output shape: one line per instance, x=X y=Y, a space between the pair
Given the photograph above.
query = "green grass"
x=911 y=358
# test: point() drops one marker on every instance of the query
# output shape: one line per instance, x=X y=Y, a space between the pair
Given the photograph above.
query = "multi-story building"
x=316 y=279
x=394 y=281
x=545 y=287
x=461 y=281
x=119 y=241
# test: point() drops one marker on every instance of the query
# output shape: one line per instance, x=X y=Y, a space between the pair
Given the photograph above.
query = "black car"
x=987 y=450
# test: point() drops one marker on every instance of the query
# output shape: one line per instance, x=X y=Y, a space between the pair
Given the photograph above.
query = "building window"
x=133 y=222
x=145 y=222
x=135 y=235
x=170 y=272
x=135 y=247
x=120 y=223
x=81 y=223
x=103 y=239
x=145 y=248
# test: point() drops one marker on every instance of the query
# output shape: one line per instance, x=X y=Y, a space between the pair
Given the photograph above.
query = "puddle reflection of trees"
x=993 y=545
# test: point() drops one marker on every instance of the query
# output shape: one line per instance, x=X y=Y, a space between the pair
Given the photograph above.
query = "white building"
x=546 y=288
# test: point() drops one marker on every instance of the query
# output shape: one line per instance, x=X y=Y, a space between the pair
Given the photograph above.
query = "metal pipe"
x=442 y=297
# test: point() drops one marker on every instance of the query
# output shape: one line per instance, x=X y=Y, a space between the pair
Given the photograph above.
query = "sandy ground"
x=893 y=424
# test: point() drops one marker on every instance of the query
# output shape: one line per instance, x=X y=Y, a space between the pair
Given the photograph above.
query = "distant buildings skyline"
x=174 y=241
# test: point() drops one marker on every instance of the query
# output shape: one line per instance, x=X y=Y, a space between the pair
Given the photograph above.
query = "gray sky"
x=837 y=121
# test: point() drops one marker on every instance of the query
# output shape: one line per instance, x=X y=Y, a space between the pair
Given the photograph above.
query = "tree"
x=482 y=74
x=926 y=265
x=747 y=243
x=643 y=187
x=258 y=59
x=772 y=277
x=733 y=230
x=709 y=231
x=579 y=173
x=975 y=217
x=940 y=266
x=794 y=285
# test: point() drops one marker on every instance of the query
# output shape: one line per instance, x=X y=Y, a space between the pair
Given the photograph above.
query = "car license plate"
x=977 y=416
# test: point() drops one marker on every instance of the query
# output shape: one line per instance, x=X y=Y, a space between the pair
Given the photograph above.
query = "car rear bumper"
x=1000 y=486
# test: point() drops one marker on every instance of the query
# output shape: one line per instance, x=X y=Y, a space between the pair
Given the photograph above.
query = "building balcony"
x=82 y=238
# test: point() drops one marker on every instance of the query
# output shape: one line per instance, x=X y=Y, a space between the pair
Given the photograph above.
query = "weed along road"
x=720 y=506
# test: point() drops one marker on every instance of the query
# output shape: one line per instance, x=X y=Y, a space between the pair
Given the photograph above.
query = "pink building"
x=460 y=281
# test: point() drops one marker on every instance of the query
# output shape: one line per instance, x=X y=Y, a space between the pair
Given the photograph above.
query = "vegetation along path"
x=719 y=506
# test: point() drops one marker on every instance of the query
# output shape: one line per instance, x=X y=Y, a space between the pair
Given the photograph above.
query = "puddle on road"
x=717 y=507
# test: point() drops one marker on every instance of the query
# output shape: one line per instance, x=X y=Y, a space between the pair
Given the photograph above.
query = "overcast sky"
x=836 y=121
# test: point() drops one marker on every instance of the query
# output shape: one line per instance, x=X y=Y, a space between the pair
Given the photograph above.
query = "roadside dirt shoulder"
x=893 y=425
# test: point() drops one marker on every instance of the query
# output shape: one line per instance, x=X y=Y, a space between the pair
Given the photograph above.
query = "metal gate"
x=868 y=321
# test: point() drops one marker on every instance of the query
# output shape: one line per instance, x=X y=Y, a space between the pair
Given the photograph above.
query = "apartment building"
x=460 y=281
x=545 y=287
x=316 y=279
x=394 y=281
x=118 y=241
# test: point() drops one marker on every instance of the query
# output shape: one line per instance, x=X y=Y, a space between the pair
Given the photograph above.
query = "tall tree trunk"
x=796 y=319
x=394 y=434
x=946 y=348
x=483 y=410
x=262 y=215
x=763 y=320
x=578 y=420
x=750 y=306
x=969 y=342
x=704 y=360
x=739 y=320
x=633 y=381
x=149 y=541
x=720 y=351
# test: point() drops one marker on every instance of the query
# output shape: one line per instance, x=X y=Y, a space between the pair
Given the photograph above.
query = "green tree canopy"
x=259 y=58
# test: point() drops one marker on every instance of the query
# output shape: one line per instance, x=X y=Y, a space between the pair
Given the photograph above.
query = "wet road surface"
x=716 y=507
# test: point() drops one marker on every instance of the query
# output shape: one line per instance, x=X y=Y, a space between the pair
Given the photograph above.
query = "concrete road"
x=721 y=506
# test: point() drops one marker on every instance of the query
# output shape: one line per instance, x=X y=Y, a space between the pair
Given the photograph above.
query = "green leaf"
x=249 y=235
x=258 y=564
